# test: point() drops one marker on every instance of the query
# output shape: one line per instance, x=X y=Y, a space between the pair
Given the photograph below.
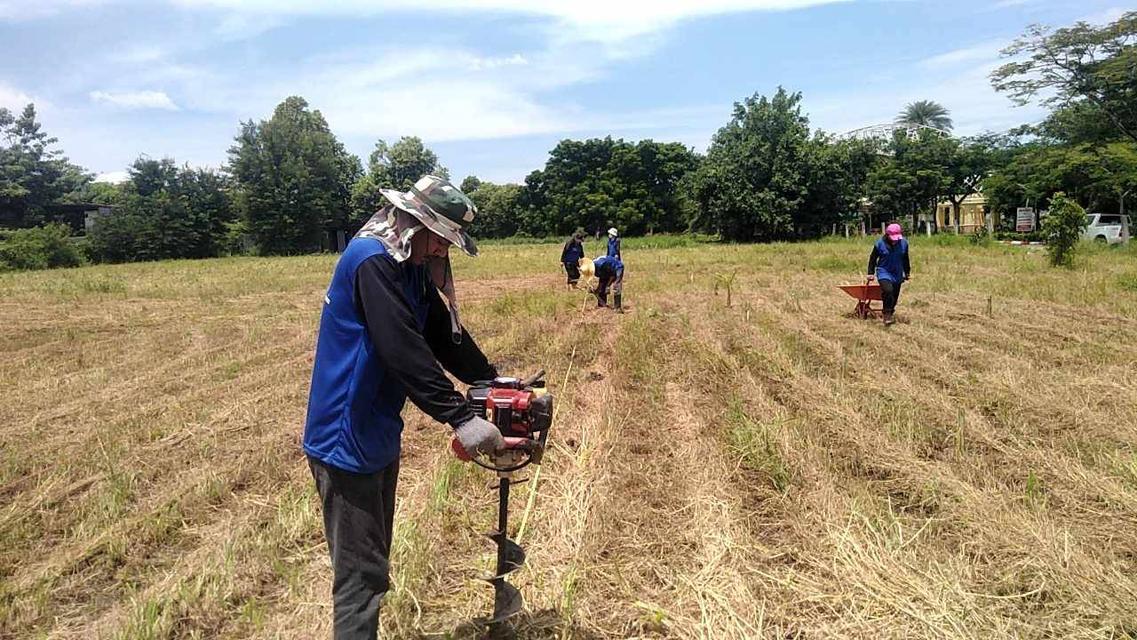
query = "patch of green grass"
x=540 y=304
x=254 y=612
x=230 y=370
x=1127 y=282
x=941 y=240
x=754 y=442
x=638 y=355
x=1035 y=492
x=1126 y=466
x=296 y=513
x=113 y=496
x=451 y=473
x=842 y=264
x=410 y=555
x=149 y=619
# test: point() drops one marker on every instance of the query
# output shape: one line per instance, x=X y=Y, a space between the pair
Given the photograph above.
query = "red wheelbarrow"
x=865 y=294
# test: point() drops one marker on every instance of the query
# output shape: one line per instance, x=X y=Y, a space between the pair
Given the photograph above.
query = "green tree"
x=1100 y=177
x=100 y=193
x=838 y=182
x=1062 y=229
x=470 y=184
x=1081 y=63
x=1077 y=123
x=926 y=113
x=664 y=165
x=604 y=182
x=1116 y=173
x=45 y=247
x=915 y=176
x=499 y=210
x=33 y=174
x=164 y=212
x=754 y=182
x=293 y=178
x=397 y=166
x=966 y=163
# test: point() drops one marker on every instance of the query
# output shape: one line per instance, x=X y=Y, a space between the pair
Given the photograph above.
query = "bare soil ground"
x=771 y=468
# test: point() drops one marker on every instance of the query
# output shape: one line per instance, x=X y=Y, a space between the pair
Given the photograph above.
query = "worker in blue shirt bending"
x=610 y=273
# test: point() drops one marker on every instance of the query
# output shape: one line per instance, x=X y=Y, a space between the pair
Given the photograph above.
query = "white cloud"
x=603 y=20
x=135 y=99
x=12 y=98
x=139 y=54
x=1104 y=17
x=959 y=80
x=438 y=93
x=591 y=19
x=976 y=53
x=113 y=177
x=240 y=26
x=1005 y=4
x=965 y=90
x=14 y=10
x=480 y=64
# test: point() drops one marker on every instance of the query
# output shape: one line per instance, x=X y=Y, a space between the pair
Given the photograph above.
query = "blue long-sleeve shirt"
x=890 y=261
x=573 y=251
x=384 y=333
x=614 y=248
x=608 y=267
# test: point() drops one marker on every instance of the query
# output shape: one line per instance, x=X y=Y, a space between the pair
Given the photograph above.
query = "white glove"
x=479 y=435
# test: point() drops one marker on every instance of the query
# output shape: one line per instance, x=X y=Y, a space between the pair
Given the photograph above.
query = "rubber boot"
x=616 y=302
x=888 y=319
x=601 y=299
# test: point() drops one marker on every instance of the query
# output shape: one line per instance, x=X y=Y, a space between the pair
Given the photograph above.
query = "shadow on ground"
x=538 y=625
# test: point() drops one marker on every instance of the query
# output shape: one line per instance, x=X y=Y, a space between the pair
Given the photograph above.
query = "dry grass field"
x=772 y=468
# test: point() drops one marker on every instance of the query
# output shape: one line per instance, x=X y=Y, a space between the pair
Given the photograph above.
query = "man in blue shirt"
x=610 y=273
x=888 y=263
x=614 y=244
x=571 y=254
x=386 y=335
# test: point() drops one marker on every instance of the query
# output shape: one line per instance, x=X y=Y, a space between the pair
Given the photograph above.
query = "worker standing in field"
x=889 y=264
x=610 y=273
x=571 y=255
x=386 y=335
x=614 y=244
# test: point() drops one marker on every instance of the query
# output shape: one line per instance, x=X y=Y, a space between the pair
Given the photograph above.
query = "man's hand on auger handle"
x=477 y=436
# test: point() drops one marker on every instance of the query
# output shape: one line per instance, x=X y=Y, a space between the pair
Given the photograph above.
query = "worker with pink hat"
x=889 y=264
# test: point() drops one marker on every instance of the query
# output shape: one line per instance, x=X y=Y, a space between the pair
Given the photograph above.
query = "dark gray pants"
x=359 y=514
x=889 y=294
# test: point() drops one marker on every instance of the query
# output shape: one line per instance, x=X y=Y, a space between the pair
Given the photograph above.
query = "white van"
x=1109 y=228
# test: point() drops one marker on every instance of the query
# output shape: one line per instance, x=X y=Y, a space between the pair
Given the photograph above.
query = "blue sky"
x=492 y=85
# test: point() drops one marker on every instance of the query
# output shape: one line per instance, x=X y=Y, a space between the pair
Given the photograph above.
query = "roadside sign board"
x=1024 y=220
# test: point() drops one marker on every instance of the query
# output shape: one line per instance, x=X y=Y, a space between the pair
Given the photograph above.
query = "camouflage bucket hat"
x=441 y=207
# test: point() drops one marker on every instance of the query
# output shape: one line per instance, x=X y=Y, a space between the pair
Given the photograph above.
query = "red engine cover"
x=513 y=402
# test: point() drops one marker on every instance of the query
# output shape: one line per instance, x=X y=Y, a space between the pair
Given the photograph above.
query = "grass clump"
x=755 y=443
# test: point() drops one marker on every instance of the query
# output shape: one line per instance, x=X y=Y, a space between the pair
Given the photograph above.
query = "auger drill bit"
x=522 y=410
x=514 y=554
x=507 y=601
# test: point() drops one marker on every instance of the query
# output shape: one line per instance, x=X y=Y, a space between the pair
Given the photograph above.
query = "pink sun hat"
x=894 y=232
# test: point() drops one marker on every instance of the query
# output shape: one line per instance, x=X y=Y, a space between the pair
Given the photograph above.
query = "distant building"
x=885 y=132
x=973 y=212
x=80 y=216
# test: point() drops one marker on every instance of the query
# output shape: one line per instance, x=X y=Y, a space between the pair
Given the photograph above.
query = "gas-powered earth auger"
x=523 y=412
